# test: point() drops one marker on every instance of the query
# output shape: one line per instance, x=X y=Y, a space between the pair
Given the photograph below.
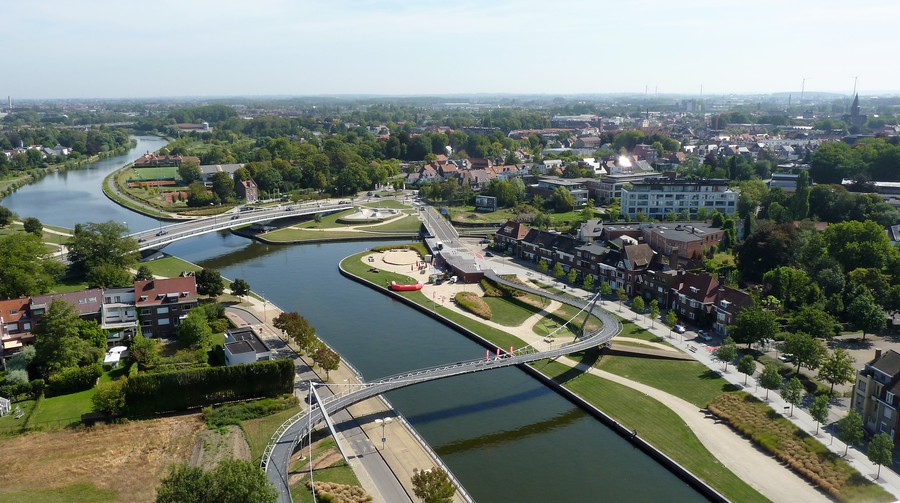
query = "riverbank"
x=10 y=186
x=743 y=463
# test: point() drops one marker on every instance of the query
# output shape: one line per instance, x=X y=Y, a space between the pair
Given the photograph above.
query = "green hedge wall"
x=181 y=390
x=73 y=379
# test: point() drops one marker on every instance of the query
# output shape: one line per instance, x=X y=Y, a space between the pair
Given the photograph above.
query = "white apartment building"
x=657 y=197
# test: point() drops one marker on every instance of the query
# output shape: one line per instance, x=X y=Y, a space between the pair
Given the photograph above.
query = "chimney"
x=877 y=355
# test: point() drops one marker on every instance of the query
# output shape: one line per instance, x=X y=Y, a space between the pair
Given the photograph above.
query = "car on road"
x=141 y=240
x=344 y=202
x=162 y=233
x=679 y=329
x=485 y=241
x=289 y=208
x=703 y=334
x=235 y=217
x=488 y=254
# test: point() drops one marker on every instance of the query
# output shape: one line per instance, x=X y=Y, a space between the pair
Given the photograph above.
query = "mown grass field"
x=656 y=423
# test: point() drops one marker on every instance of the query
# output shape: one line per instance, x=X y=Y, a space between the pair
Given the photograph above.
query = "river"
x=507 y=437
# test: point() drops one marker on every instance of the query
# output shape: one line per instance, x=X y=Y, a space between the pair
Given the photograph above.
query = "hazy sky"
x=126 y=48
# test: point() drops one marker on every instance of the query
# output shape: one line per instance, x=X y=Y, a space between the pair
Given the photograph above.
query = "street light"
x=383 y=423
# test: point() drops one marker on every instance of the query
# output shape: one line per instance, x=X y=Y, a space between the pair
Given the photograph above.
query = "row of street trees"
x=298 y=329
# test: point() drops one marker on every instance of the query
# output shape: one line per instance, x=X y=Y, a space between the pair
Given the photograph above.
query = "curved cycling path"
x=276 y=458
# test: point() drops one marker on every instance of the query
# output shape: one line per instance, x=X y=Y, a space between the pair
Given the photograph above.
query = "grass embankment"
x=259 y=431
x=474 y=304
x=793 y=446
x=656 y=423
x=75 y=493
x=327 y=465
x=170 y=267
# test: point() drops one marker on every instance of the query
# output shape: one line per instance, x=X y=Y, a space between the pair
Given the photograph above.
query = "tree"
x=727 y=352
x=297 y=328
x=859 y=244
x=866 y=315
x=605 y=289
x=654 y=311
x=57 y=340
x=769 y=247
x=110 y=398
x=671 y=318
x=189 y=172
x=240 y=287
x=562 y=200
x=194 y=330
x=433 y=486
x=209 y=282
x=572 y=275
x=143 y=274
x=800 y=199
x=327 y=359
x=542 y=266
x=637 y=305
x=837 y=368
x=25 y=267
x=558 y=271
x=881 y=451
x=770 y=378
x=819 y=410
x=144 y=352
x=104 y=247
x=588 y=283
x=223 y=186
x=792 y=392
x=850 y=429
x=620 y=293
x=6 y=216
x=754 y=324
x=231 y=481
x=747 y=366
x=807 y=351
x=814 y=322
x=33 y=226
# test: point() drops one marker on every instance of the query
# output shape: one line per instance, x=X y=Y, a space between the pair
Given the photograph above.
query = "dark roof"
x=245 y=340
x=704 y=284
x=889 y=363
x=639 y=255
x=169 y=290
x=86 y=302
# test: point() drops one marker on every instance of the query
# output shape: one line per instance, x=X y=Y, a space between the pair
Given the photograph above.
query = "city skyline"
x=281 y=48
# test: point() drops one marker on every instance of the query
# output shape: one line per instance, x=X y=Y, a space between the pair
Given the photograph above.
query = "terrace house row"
x=157 y=305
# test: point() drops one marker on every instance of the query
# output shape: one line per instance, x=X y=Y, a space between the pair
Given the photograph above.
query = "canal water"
x=507 y=437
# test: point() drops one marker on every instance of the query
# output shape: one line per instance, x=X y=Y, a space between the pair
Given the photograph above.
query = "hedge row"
x=224 y=415
x=73 y=379
x=489 y=289
x=29 y=390
x=802 y=453
x=474 y=304
x=181 y=390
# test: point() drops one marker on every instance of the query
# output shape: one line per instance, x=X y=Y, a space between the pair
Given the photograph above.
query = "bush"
x=796 y=448
x=17 y=376
x=332 y=492
x=181 y=390
x=490 y=290
x=30 y=390
x=73 y=379
x=474 y=304
x=223 y=415
x=110 y=398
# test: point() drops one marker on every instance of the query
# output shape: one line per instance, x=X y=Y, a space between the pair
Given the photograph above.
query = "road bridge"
x=155 y=239
x=276 y=458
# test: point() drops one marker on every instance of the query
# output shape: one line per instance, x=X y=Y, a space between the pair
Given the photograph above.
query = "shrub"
x=110 y=398
x=17 y=376
x=332 y=492
x=223 y=415
x=186 y=389
x=490 y=290
x=74 y=379
x=795 y=448
x=474 y=304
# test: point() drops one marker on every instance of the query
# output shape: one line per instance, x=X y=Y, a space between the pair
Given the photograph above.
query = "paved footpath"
x=385 y=474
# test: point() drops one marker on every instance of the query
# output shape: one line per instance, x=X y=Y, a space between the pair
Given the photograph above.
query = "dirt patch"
x=128 y=458
x=213 y=446
x=175 y=196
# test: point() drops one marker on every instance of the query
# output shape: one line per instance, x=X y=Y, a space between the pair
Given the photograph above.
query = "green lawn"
x=509 y=312
x=559 y=317
x=61 y=411
x=156 y=173
x=290 y=234
x=9 y=423
x=69 y=285
x=75 y=493
x=633 y=331
x=326 y=222
x=259 y=431
x=656 y=424
x=689 y=380
x=170 y=267
x=409 y=223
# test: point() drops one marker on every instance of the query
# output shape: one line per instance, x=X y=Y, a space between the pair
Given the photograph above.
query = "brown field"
x=128 y=458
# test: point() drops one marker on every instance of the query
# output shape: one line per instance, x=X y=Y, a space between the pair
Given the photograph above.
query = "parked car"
x=485 y=241
x=704 y=335
x=679 y=329
x=488 y=254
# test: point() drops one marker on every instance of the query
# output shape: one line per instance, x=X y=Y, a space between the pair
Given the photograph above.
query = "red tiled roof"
x=160 y=291
x=12 y=310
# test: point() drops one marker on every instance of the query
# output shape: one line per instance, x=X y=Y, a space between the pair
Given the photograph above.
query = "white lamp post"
x=383 y=423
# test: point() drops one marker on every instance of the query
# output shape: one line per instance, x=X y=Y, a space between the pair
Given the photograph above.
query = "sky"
x=174 y=48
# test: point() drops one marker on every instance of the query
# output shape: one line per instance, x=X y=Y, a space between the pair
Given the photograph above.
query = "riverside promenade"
x=385 y=474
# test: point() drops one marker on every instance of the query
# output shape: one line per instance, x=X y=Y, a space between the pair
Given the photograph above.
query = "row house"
x=15 y=324
x=163 y=303
x=552 y=247
x=87 y=303
x=729 y=302
x=509 y=236
x=875 y=395
x=118 y=314
x=695 y=296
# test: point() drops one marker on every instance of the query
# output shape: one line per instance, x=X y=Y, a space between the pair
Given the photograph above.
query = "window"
x=862 y=386
x=162 y=310
x=162 y=321
x=889 y=398
x=146 y=323
x=145 y=311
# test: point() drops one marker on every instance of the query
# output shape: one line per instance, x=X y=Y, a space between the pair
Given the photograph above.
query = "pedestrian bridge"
x=276 y=458
x=155 y=239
